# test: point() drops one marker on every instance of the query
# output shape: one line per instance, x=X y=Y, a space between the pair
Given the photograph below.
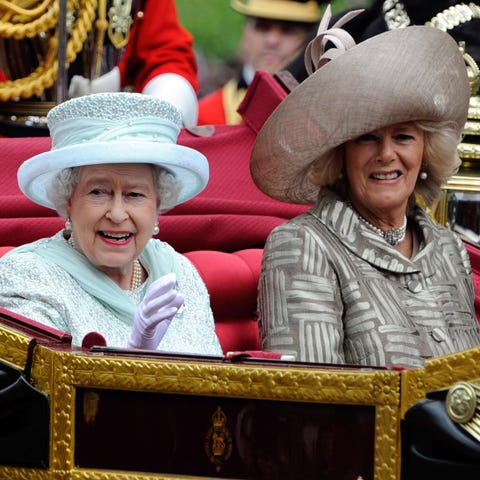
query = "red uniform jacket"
x=211 y=110
x=220 y=106
x=157 y=44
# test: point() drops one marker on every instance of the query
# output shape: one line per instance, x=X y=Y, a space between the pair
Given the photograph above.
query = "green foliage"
x=216 y=27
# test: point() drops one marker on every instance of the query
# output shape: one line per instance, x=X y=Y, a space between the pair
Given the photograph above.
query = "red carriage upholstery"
x=474 y=253
x=232 y=280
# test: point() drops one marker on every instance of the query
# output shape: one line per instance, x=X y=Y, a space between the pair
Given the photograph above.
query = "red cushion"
x=232 y=281
x=474 y=253
x=4 y=250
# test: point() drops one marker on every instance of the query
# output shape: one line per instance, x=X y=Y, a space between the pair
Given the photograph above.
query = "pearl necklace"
x=137 y=275
x=393 y=236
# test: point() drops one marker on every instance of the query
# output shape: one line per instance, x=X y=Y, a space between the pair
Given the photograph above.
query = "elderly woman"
x=113 y=166
x=366 y=276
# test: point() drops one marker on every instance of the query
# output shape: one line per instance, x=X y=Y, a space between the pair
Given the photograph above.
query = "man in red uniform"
x=158 y=60
x=275 y=33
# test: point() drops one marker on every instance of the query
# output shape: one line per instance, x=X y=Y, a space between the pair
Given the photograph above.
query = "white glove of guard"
x=170 y=87
x=154 y=314
x=178 y=91
x=79 y=86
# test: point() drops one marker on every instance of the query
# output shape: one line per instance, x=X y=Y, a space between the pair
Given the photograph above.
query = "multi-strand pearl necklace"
x=393 y=236
x=137 y=275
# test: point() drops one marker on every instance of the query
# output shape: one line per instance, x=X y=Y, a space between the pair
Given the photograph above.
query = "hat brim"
x=391 y=78
x=189 y=167
x=288 y=11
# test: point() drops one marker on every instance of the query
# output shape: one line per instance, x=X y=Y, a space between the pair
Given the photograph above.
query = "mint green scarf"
x=157 y=257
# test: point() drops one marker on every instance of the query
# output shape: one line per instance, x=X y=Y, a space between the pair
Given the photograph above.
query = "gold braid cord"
x=102 y=26
x=25 y=19
x=18 y=23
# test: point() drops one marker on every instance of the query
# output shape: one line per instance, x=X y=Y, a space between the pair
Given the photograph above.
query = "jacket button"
x=439 y=335
x=414 y=286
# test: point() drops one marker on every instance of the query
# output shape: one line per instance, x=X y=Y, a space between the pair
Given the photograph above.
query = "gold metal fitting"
x=463 y=406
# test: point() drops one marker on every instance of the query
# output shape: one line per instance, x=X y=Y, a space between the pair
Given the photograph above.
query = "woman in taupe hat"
x=366 y=276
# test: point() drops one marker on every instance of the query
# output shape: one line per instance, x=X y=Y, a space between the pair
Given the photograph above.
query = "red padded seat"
x=232 y=281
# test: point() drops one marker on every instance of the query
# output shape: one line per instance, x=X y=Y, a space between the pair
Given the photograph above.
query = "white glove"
x=110 y=82
x=170 y=87
x=178 y=91
x=154 y=314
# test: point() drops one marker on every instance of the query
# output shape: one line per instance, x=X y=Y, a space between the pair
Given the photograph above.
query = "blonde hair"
x=440 y=162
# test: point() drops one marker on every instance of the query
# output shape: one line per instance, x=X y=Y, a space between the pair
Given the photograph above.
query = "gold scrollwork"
x=13 y=348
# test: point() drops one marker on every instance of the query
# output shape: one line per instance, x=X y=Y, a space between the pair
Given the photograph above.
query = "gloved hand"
x=154 y=314
x=178 y=91
x=109 y=82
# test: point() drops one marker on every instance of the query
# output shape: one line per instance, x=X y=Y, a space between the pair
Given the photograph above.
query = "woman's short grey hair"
x=440 y=162
x=64 y=184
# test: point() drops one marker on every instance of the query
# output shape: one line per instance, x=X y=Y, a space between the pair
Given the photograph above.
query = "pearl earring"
x=67 y=231
x=68 y=234
x=423 y=175
x=156 y=229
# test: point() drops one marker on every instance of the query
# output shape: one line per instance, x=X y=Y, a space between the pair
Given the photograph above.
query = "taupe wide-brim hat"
x=106 y=128
x=410 y=74
x=286 y=10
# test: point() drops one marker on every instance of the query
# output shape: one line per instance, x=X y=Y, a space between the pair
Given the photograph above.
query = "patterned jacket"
x=333 y=291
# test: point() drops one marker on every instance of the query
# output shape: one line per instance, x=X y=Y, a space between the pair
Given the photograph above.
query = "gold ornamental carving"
x=338 y=386
x=41 y=375
x=14 y=347
x=387 y=423
x=62 y=401
x=12 y=473
x=218 y=440
x=438 y=374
